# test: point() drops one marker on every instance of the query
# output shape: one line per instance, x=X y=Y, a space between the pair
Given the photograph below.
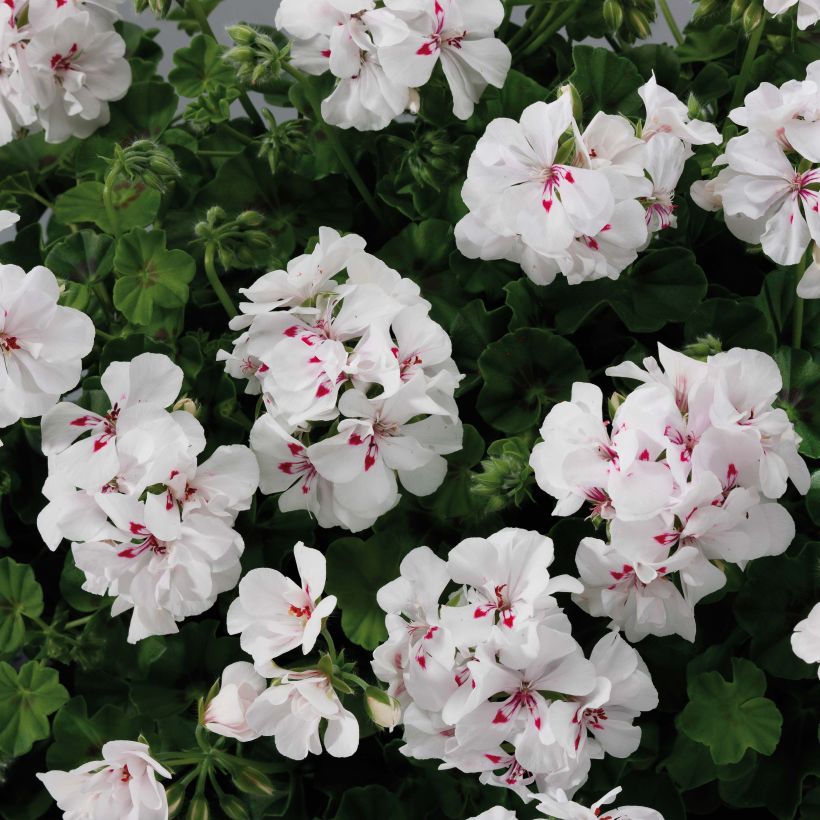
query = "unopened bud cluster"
x=144 y=161
x=255 y=54
x=631 y=20
x=237 y=240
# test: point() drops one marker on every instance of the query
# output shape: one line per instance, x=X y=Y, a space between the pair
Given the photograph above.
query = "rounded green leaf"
x=84 y=256
x=730 y=718
x=200 y=67
x=356 y=570
x=150 y=274
x=20 y=595
x=135 y=205
x=27 y=698
x=605 y=81
x=525 y=374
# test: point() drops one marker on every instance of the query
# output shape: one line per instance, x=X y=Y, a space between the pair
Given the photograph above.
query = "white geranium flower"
x=123 y=784
x=274 y=615
x=42 y=343
x=73 y=70
x=292 y=710
x=459 y=34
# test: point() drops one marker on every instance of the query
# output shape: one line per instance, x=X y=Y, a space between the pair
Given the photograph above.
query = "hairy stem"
x=799 y=304
x=670 y=21
x=216 y=285
x=746 y=67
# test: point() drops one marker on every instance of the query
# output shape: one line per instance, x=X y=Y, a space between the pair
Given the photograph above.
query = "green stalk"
x=799 y=304
x=530 y=26
x=108 y=201
x=553 y=28
x=331 y=647
x=216 y=285
x=746 y=66
x=335 y=144
x=195 y=8
x=670 y=21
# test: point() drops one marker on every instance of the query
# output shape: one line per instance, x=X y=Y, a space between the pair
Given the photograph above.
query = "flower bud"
x=703 y=347
x=242 y=34
x=575 y=97
x=233 y=808
x=176 y=799
x=613 y=15
x=706 y=7
x=186 y=404
x=414 y=104
x=383 y=709
x=737 y=10
x=250 y=219
x=752 y=17
x=506 y=475
x=198 y=809
x=252 y=781
x=225 y=714
x=638 y=23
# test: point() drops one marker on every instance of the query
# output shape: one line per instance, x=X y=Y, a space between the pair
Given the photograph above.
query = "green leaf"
x=605 y=81
x=79 y=738
x=27 y=698
x=663 y=286
x=20 y=595
x=709 y=44
x=200 y=67
x=370 y=803
x=135 y=205
x=525 y=374
x=730 y=718
x=84 y=256
x=472 y=330
x=736 y=324
x=150 y=274
x=800 y=396
x=356 y=571
x=779 y=591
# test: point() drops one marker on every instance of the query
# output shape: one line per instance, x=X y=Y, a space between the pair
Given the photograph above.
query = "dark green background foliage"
x=736 y=732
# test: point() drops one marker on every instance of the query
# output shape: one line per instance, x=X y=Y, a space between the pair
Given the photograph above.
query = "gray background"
x=263 y=11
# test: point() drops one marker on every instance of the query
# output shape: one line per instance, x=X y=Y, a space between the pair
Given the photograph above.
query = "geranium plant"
x=410 y=409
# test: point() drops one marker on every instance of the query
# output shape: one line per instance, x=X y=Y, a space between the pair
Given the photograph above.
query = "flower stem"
x=553 y=28
x=331 y=647
x=198 y=13
x=670 y=21
x=333 y=139
x=799 y=304
x=108 y=200
x=746 y=67
x=530 y=26
x=216 y=285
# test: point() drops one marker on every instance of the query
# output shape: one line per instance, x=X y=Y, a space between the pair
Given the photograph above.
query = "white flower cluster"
x=381 y=52
x=123 y=785
x=492 y=680
x=150 y=526
x=687 y=473
x=808 y=11
x=274 y=615
x=555 y=200
x=562 y=808
x=363 y=348
x=769 y=189
x=61 y=63
x=42 y=343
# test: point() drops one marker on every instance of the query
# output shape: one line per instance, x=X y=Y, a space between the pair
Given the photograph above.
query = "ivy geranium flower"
x=42 y=343
x=123 y=784
x=273 y=614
